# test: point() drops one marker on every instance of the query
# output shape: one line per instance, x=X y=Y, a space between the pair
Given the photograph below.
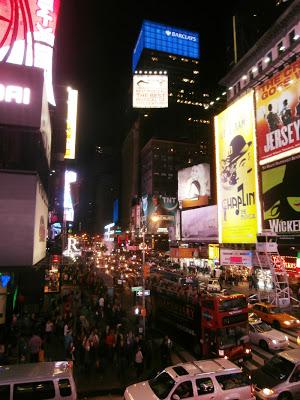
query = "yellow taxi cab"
x=275 y=316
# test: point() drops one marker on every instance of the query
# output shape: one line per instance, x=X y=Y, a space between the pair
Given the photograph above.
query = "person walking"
x=139 y=361
x=35 y=345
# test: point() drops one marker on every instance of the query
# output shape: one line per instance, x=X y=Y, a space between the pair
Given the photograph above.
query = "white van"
x=45 y=380
x=218 y=379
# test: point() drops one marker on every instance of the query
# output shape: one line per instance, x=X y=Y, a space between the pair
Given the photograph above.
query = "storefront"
x=236 y=264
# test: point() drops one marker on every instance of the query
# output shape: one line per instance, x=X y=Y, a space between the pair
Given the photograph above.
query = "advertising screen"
x=71 y=123
x=194 y=182
x=27 y=33
x=40 y=224
x=159 y=212
x=278 y=115
x=150 y=91
x=236 y=172
x=166 y=38
x=200 y=224
x=70 y=178
x=21 y=95
x=281 y=198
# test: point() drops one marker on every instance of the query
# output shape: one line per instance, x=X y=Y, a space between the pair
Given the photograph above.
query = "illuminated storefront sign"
x=27 y=33
x=237 y=184
x=109 y=233
x=235 y=257
x=278 y=115
x=72 y=250
x=281 y=198
x=70 y=177
x=288 y=262
x=165 y=38
x=16 y=94
x=150 y=91
x=71 y=123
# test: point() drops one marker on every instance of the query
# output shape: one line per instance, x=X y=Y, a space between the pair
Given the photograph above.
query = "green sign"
x=136 y=288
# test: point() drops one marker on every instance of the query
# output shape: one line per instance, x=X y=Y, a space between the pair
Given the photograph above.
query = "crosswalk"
x=259 y=355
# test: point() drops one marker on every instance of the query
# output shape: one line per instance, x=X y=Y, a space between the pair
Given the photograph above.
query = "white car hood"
x=138 y=391
x=274 y=335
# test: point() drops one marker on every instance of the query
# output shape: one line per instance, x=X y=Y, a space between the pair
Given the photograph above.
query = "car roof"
x=34 y=371
x=195 y=368
x=292 y=355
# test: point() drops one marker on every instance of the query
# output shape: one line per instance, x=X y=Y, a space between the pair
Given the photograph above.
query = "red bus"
x=210 y=325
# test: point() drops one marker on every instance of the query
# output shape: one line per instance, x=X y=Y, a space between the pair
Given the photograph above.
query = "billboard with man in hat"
x=236 y=172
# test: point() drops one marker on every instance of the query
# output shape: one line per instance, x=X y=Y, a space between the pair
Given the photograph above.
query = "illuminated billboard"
x=200 y=224
x=71 y=123
x=159 y=212
x=278 y=115
x=238 y=200
x=21 y=96
x=70 y=177
x=27 y=33
x=150 y=91
x=281 y=198
x=165 y=38
x=194 y=182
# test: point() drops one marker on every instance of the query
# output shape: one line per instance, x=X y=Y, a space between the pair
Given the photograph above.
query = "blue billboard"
x=167 y=39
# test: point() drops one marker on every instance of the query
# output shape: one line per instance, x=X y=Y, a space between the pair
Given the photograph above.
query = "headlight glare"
x=267 y=391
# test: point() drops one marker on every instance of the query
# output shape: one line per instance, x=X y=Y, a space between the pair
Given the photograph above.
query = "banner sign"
x=278 y=115
x=281 y=198
x=236 y=257
x=236 y=172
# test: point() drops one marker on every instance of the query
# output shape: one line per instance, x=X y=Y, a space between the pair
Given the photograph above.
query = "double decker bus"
x=210 y=325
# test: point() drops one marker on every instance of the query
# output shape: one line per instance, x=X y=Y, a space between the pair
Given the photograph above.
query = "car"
x=213 y=285
x=279 y=377
x=265 y=336
x=275 y=316
x=216 y=379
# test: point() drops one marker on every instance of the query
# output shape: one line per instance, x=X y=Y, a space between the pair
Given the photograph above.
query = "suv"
x=217 y=378
x=213 y=285
x=279 y=378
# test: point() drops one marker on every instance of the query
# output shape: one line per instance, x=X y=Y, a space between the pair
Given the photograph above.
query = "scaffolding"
x=274 y=285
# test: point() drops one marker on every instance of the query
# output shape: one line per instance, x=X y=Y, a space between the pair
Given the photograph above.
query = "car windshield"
x=278 y=368
x=162 y=385
x=232 y=304
x=275 y=310
x=262 y=327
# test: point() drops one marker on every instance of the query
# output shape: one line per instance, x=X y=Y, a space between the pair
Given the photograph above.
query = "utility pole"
x=143 y=280
x=234 y=39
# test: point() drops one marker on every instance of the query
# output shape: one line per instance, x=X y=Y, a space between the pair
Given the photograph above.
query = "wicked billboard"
x=281 y=199
x=236 y=172
x=278 y=115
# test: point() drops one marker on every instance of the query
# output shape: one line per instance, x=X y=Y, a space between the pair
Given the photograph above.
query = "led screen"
x=236 y=172
x=150 y=91
x=70 y=177
x=200 y=224
x=168 y=39
x=278 y=115
x=194 y=182
x=27 y=33
x=71 y=123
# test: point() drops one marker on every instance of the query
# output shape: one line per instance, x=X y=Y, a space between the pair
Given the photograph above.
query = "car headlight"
x=221 y=353
x=268 y=392
x=248 y=351
x=286 y=338
x=288 y=323
x=297 y=321
x=274 y=341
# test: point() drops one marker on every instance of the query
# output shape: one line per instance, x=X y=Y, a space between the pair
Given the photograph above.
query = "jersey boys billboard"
x=278 y=115
x=236 y=172
x=27 y=32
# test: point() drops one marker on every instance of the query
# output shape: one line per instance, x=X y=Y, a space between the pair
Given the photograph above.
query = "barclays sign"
x=180 y=35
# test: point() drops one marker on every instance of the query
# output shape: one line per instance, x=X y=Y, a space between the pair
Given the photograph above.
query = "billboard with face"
x=200 y=224
x=281 y=198
x=159 y=212
x=278 y=115
x=27 y=33
x=194 y=182
x=236 y=172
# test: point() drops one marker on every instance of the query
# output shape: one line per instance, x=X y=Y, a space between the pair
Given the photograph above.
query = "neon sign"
x=12 y=93
x=27 y=34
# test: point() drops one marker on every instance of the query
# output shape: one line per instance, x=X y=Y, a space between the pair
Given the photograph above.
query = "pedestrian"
x=139 y=361
x=35 y=345
x=165 y=351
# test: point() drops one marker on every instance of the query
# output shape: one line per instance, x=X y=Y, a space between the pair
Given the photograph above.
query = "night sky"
x=95 y=40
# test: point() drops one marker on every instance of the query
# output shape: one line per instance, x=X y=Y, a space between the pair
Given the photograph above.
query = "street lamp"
x=143 y=280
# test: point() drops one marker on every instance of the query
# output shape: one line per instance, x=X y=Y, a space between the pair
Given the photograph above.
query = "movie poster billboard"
x=278 y=115
x=236 y=172
x=200 y=224
x=194 y=182
x=281 y=198
x=27 y=34
x=159 y=212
